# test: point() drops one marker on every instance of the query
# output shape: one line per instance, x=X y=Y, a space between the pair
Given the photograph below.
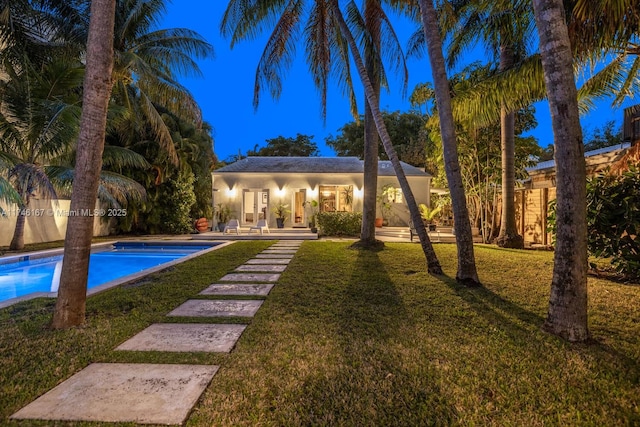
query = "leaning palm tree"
x=326 y=40
x=72 y=294
x=433 y=265
x=467 y=272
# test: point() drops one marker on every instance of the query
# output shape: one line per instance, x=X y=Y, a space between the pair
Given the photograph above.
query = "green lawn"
x=358 y=338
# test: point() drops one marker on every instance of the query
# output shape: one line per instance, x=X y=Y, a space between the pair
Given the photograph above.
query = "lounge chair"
x=232 y=225
x=260 y=226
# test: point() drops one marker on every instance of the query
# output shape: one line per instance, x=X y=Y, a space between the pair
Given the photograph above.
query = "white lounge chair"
x=260 y=226
x=232 y=225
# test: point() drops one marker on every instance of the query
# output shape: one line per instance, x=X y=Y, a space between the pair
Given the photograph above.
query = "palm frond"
x=278 y=53
x=118 y=190
x=158 y=127
x=173 y=49
x=318 y=50
x=28 y=179
x=120 y=157
x=8 y=194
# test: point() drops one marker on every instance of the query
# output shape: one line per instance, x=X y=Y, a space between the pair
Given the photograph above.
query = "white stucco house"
x=252 y=186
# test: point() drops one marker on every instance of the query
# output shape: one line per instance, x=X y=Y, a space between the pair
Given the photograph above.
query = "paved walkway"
x=163 y=393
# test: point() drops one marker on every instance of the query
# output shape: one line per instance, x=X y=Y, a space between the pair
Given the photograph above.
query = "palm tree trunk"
x=508 y=236
x=368 y=231
x=433 y=265
x=72 y=294
x=467 y=272
x=567 y=314
x=17 y=242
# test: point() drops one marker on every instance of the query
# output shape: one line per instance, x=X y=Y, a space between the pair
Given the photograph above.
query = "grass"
x=351 y=337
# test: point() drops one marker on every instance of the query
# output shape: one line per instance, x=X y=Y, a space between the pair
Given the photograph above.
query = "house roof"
x=607 y=155
x=313 y=165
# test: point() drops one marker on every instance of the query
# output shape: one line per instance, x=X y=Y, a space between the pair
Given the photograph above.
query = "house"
x=532 y=201
x=253 y=186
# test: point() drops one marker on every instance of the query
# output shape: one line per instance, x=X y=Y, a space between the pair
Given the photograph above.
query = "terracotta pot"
x=202 y=224
x=378 y=222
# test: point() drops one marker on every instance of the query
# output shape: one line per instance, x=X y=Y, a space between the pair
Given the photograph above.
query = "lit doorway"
x=299 y=199
x=254 y=206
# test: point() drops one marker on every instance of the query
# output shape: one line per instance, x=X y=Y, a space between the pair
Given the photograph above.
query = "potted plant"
x=313 y=204
x=429 y=215
x=281 y=211
x=223 y=214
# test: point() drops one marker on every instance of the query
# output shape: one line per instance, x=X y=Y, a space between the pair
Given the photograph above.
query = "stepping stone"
x=217 y=308
x=177 y=337
x=279 y=251
x=250 y=277
x=238 y=289
x=268 y=261
x=285 y=245
x=275 y=256
x=262 y=267
x=124 y=392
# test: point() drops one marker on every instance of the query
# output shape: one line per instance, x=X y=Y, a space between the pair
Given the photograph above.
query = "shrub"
x=613 y=220
x=339 y=223
x=178 y=198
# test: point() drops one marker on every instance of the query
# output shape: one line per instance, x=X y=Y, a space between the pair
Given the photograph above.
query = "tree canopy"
x=408 y=134
x=300 y=146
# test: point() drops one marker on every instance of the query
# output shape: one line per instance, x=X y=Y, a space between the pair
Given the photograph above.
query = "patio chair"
x=232 y=225
x=260 y=226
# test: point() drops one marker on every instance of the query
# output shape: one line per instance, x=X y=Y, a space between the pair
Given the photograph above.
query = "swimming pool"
x=38 y=274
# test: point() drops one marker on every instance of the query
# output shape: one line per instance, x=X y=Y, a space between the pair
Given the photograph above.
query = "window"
x=336 y=198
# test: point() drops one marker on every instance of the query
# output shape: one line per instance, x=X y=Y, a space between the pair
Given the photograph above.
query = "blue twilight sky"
x=225 y=92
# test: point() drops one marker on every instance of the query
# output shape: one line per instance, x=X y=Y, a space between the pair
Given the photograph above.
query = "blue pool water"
x=34 y=274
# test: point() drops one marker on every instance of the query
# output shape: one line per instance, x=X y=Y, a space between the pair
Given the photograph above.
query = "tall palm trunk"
x=467 y=273
x=567 y=315
x=433 y=265
x=508 y=236
x=17 y=242
x=72 y=294
x=368 y=230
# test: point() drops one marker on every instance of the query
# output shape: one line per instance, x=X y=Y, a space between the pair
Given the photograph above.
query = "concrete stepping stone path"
x=274 y=256
x=165 y=393
x=250 y=277
x=176 y=337
x=279 y=251
x=269 y=261
x=217 y=308
x=124 y=392
x=262 y=268
x=261 y=289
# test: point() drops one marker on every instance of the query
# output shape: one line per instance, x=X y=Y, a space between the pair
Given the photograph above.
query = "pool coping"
x=115 y=282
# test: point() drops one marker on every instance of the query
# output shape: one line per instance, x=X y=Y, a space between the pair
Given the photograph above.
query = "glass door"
x=299 y=199
x=254 y=206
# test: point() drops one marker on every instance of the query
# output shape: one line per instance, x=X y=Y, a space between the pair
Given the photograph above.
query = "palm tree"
x=324 y=46
x=147 y=62
x=38 y=121
x=433 y=265
x=467 y=272
x=71 y=302
x=506 y=29
x=567 y=315
x=326 y=40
